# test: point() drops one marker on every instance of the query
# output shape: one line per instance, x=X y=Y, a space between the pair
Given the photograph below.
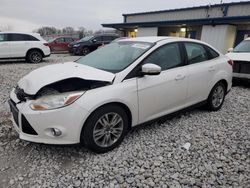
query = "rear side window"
x=212 y=54
x=166 y=57
x=196 y=53
x=68 y=40
x=21 y=37
x=3 y=37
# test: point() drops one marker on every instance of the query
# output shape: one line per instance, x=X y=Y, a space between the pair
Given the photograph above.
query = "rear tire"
x=34 y=56
x=105 y=129
x=216 y=97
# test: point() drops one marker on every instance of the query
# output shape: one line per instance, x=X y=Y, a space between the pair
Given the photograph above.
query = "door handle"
x=211 y=69
x=179 y=77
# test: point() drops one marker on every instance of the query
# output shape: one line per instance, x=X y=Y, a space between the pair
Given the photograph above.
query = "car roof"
x=158 y=39
x=18 y=32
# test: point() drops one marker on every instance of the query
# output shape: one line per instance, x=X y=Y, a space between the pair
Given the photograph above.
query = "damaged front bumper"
x=38 y=126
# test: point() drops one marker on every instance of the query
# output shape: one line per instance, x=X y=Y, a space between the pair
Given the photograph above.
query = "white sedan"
x=241 y=57
x=98 y=98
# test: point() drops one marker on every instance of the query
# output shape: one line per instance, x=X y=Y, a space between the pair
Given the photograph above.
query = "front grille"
x=26 y=127
x=241 y=67
x=14 y=111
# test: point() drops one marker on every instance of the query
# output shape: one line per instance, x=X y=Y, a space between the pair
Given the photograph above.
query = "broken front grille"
x=241 y=67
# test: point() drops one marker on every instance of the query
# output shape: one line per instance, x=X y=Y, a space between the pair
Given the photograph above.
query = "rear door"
x=19 y=45
x=164 y=93
x=4 y=46
x=201 y=71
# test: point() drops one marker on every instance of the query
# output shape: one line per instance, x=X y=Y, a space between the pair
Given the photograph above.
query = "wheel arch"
x=120 y=104
x=37 y=49
x=223 y=81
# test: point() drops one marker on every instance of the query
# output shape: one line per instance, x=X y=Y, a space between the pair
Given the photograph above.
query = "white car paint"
x=240 y=56
x=146 y=97
x=19 y=49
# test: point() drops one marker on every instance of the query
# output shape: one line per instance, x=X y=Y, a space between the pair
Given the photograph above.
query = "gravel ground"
x=150 y=156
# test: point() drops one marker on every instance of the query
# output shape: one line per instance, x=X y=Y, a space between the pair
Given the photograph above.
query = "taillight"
x=230 y=62
x=45 y=44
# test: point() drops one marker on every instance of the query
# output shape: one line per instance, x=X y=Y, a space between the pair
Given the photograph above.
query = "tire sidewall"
x=85 y=48
x=29 y=57
x=210 y=98
x=87 y=131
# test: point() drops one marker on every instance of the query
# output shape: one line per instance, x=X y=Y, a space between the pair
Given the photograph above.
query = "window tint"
x=196 y=53
x=3 y=37
x=166 y=57
x=108 y=38
x=98 y=39
x=68 y=40
x=21 y=37
x=60 y=40
x=212 y=54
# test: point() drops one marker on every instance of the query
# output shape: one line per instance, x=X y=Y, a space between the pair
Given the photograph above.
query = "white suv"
x=31 y=46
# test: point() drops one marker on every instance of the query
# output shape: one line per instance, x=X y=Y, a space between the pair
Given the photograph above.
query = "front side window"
x=60 y=40
x=98 y=39
x=166 y=57
x=116 y=56
x=244 y=46
x=196 y=53
x=68 y=40
x=3 y=37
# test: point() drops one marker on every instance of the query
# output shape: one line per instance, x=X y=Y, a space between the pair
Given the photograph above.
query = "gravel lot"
x=150 y=156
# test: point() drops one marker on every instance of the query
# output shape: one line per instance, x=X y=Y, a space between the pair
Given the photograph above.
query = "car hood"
x=37 y=79
x=239 y=56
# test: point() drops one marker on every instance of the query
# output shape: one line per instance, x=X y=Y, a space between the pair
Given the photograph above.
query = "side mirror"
x=94 y=40
x=230 y=50
x=150 y=69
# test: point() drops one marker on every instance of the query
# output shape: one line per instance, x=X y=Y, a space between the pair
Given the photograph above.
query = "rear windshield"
x=244 y=46
x=116 y=56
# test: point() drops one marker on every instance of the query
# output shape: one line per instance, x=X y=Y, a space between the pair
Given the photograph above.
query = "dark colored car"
x=60 y=43
x=90 y=43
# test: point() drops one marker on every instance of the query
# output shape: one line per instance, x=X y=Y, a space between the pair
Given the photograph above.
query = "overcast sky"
x=26 y=15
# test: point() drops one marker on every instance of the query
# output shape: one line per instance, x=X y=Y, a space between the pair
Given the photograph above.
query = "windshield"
x=244 y=46
x=86 y=38
x=116 y=56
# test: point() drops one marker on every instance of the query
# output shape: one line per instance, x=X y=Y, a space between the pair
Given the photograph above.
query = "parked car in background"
x=60 y=43
x=17 y=45
x=98 y=98
x=90 y=43
x=241 y=57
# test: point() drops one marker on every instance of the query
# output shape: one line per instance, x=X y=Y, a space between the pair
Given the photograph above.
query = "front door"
x=165 y=93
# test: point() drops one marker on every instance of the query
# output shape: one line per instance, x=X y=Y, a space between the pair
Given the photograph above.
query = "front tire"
x=216 y=97
x=85 y=51
x=105 y=129
x=34 y=56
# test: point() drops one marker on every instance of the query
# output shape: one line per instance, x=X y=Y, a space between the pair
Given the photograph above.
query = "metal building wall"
x=221 y=37
x=212 y=12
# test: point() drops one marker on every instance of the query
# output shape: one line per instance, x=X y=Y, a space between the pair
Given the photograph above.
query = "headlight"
x=55 y=101
x=76 y=45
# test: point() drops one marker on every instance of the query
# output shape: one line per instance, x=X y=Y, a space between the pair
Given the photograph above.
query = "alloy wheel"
x=108 y=129
x=218 y=96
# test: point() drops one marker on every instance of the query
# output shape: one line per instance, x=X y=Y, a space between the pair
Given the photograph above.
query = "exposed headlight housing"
x=76 y=45
x=50 y=102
